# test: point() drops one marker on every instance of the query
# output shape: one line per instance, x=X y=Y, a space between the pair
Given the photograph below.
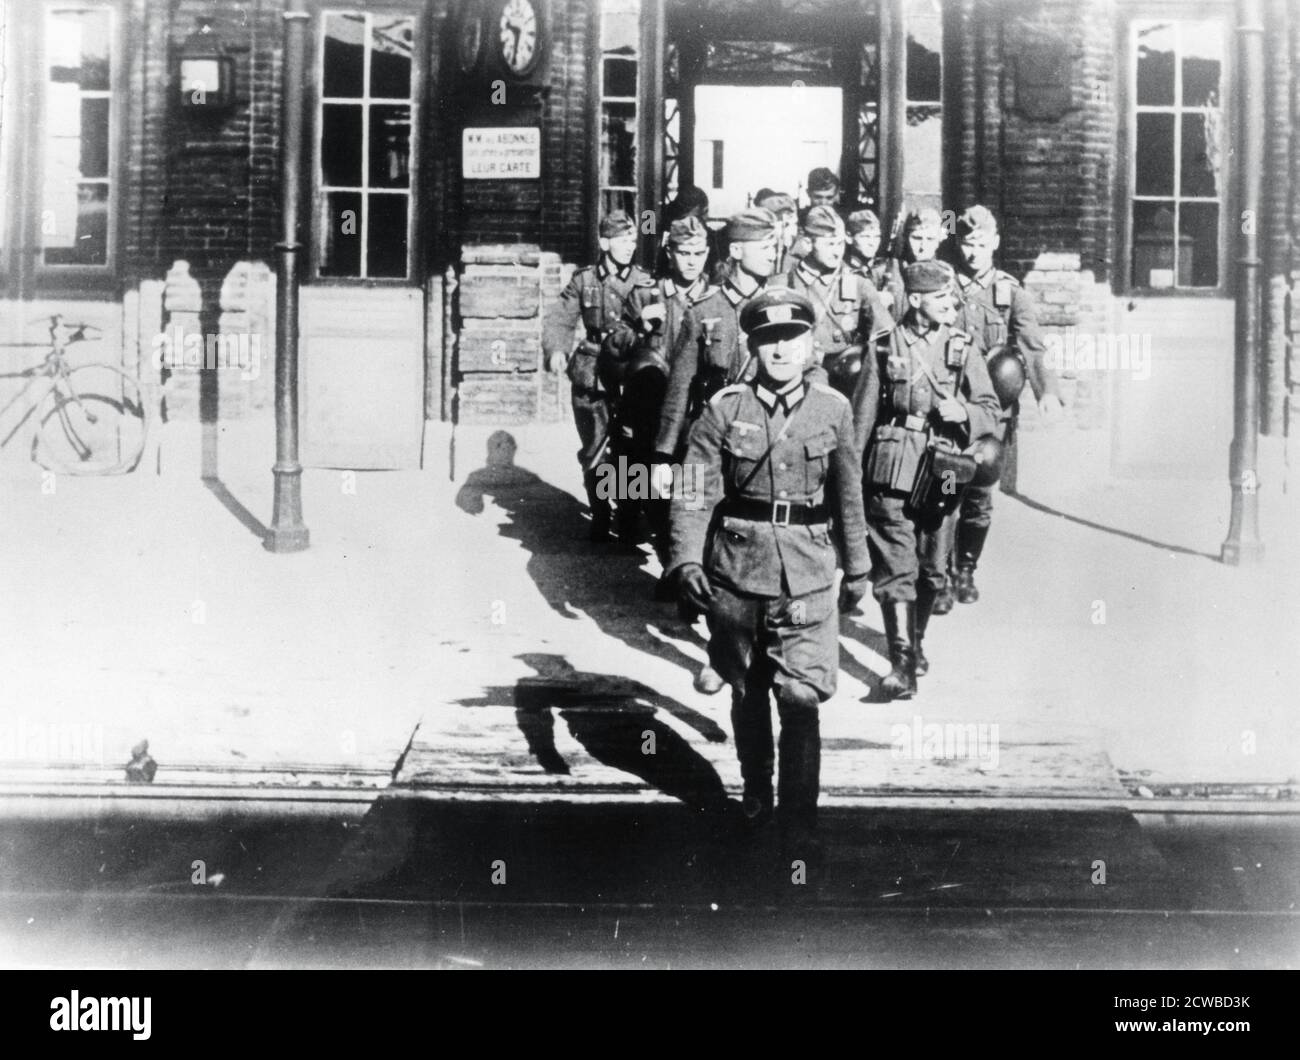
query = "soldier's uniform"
x=873 y=269
x=996 y=302
x=895 y=409
x=710 y=350
x=645 y=357
x=849 y=308
x=779 y=470
x=594 y=297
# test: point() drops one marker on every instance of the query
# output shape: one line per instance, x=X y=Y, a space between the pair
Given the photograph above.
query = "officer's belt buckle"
x=777 y=517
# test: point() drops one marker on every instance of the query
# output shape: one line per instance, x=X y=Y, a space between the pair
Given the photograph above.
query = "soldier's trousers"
x=763 y=644
x=591 y=416
x=906 y=552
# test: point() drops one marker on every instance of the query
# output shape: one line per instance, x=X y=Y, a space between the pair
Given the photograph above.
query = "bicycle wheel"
x=93 y=422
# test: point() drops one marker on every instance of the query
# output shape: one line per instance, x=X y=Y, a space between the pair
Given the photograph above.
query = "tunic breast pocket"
x=817 y=456
x=745 y=448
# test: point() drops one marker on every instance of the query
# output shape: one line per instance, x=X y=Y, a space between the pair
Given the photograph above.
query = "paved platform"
x=1111 y=656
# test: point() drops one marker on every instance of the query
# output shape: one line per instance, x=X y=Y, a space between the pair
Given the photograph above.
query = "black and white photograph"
x=651 y=484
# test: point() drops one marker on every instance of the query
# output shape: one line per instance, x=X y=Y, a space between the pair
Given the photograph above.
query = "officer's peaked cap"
x=924 y=277
x=777 y=307
x=616 y=223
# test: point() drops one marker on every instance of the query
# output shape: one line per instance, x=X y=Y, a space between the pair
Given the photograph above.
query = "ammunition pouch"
x=942 y=477
x=894 y=458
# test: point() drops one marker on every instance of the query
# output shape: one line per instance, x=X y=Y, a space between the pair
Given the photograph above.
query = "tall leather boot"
x=799 y=762
x=925 y=601
x=601 y=512
x=751 y=722
x=900 y=628
x=970 y=544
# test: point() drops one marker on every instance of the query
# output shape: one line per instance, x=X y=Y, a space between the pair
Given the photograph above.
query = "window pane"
x=620 y=77
x=1201 y=162
x=1153 y=244
x=386 y=241
x=618 y=144
x=390 y=57
x=341 y=234
x=923 y=152
x=1202 y=63
x=1198 y=249
x=1155 y=154
x=1155 y=65
x=390 y=147
x=91 y=243
x=613 y=199
x=340 y=149
x=924 y=68
x=344 y=55
x=94 y=137
x=78 y=45
x=620 y=22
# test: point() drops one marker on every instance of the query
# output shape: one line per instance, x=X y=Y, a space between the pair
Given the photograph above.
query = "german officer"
x=926 y=378
x=849 y=309
x=710 y=349
x=643 y=343
x=595 y=297
x=1010 y=320
x=754 y=549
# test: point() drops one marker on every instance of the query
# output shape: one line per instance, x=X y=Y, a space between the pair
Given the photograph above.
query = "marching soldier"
x=849 y=309
x=710 y=350
x=927 y=379
x=823 y=189
x=863 y=230
x=919 y=240
x=595 y=296
x=642 y=344
x=780 y=471
x=996 y=301
x=787 y=224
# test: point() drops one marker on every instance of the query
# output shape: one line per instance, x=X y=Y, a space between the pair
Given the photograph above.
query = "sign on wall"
x=502 y=154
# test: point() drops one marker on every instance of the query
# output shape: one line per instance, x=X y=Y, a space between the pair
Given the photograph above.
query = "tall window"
x=923 y=124
x=364 y=149
x=620 y=33
x=1176 y=147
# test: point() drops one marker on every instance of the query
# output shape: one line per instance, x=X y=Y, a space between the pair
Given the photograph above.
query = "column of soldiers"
x=806 y=379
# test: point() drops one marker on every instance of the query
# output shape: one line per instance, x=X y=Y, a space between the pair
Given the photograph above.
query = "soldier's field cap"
x=688 y=229
x=776 y=201
x=925 y=277
x=616 y=223
x=822 y=179
x=778 y=307
x=862 y=221
x=752 y=225
x=977 y=219
x=822 y=221
x=928 y=217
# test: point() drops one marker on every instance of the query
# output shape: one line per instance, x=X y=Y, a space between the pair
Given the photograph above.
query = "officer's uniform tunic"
x=893 y=386
x=594 y=296
x=996 y=307
x=773 y=620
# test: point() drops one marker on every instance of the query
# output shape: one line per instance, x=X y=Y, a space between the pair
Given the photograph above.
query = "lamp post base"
x=287 y=532
x=1241 y=553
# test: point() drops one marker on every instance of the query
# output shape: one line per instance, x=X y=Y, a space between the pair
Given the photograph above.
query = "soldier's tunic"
x=849 y=309
x=762 y=530
x=998 y=309
x=594 y=297
x=710 y=339
x=895 y=391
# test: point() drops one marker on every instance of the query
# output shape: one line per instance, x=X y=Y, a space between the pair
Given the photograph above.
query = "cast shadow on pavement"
x=573 y=575
x=1039 y=506
x=873 y=642
x=614 y=719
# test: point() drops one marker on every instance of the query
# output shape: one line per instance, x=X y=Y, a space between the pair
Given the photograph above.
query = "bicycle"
x=80 y=429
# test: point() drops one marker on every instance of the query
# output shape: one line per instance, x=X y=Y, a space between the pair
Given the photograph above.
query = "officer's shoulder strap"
x=727 y=392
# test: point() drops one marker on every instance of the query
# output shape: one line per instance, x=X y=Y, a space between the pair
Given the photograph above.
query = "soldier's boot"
x=925 y=601
x=799 y=768
x=751 y=722
x=943 y=602
x=900 y=626
x=601 y=512
x=970 y=544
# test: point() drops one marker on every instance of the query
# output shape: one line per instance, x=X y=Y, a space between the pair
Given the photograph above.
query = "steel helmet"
x=1007 y=372
x=989 y=454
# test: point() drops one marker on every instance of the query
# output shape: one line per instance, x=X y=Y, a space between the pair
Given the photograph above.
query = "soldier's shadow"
x=871 y=640
x=614 y=719
x=575 y=577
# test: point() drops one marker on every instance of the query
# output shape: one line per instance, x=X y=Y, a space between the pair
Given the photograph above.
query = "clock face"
x=519 y=36
x=469 y=41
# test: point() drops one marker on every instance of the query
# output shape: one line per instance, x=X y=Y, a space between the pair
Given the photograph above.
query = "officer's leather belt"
x=782 y=513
